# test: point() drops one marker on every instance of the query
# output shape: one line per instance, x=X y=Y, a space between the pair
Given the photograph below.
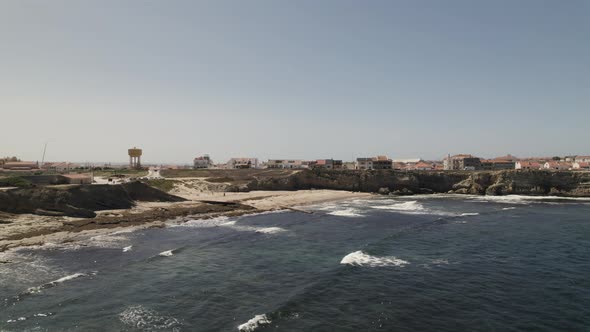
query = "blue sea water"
x=422 y=263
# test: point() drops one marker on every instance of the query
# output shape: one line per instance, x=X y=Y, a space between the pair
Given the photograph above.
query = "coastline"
x=26 y=230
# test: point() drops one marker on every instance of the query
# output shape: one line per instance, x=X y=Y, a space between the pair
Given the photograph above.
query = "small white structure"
x=582 y=159
x=242 y=163
x=285 y=163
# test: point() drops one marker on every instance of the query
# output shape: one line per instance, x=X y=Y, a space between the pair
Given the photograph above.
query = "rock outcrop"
x=80 y=201
x=537 y=182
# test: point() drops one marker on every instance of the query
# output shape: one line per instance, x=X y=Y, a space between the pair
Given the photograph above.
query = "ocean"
x=421 y=263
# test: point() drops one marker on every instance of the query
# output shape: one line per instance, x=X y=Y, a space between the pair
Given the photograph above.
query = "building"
x=379 y=162
x=238 y=163
x=582 y=159
x=424 y=166
x=557 y=166
x=463 y=162
x=59 y=167
x=285 y=163
x=364 y=163
x=582 y=166
x=500 y=163
x=382 y=162
x=349 y=165
x=202 y=162
x=528 y=165
x=20 y=165
x=78 y=178
x=328 y=164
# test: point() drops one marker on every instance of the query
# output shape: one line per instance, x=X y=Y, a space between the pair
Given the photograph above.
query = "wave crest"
x=254 y=323
x=359 y=258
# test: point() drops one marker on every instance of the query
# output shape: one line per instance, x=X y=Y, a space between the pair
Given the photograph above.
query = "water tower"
x=134 y=157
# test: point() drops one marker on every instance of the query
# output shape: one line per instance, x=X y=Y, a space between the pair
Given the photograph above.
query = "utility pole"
x=43 y=158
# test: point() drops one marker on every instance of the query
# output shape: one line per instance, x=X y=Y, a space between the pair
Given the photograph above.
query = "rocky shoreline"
x=508 y=182
x=20 y=230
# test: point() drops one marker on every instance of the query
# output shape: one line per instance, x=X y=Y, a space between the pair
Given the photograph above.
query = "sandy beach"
x=33 y=230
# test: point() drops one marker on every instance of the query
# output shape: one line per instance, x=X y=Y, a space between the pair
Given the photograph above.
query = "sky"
x=302 y=79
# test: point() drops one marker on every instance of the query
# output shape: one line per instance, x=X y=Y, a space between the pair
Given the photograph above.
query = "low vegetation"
x=14 y=181
x=162 y=184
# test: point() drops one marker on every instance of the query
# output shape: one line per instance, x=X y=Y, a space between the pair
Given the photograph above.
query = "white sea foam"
x=440 y=261
x=254 y=323
x=270 y=230
x=43 y=315
x=107 y=240
x=34 y=290
x=359 y=258
x=166 y=253
x=409 y=206
x=415 y=207
x=224 y=221
x=521 y=199
x=145 y=319
x=509 y=208
x=469 y=214
x=348 y=212
x=126 y=249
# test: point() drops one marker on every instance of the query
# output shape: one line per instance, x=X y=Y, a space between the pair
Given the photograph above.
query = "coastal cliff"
x=79 y=201
x=508 y=182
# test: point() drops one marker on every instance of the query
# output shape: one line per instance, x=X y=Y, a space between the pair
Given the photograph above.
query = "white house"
x=581 y=166
x=528 y=165
x=557 y=166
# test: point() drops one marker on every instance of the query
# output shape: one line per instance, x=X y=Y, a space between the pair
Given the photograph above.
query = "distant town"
x=461 y=162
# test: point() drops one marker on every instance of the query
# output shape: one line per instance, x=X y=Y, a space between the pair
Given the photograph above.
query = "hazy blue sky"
x=293 y=79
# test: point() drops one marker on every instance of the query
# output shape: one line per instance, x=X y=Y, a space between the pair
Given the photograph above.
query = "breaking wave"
x=254 y=323
x=145 y=319
x=226 y=222
x=521 y=199
x=359 y=258
x=128 y=248
x=348 y=212
x=38 y=289
x=270 y=230
x=415 y=207
x=410 y=206
x=167 y=253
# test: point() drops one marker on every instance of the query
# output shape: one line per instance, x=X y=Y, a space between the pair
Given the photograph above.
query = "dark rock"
x=80 y=201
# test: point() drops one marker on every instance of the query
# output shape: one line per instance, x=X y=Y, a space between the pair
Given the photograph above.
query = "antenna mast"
x=43 y=159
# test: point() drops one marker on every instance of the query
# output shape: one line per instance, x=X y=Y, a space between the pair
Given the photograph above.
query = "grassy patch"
x=220 y=180
x=137 y=173
x=164 y=185
x=14 y=181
